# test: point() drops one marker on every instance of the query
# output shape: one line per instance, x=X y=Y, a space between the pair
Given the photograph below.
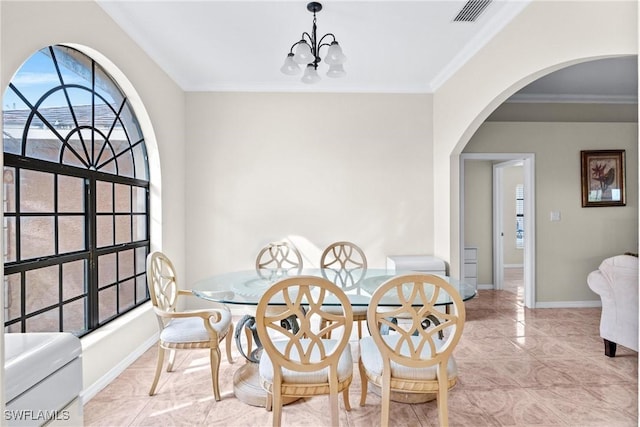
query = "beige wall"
x=544 y=37
x=315 y=168
x=478 y=215
x=567 y=250
x=29 y=26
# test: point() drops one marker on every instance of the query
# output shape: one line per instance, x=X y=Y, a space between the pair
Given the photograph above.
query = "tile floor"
x=517 y=367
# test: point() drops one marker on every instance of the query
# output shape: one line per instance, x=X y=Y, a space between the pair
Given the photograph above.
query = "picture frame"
x=603 y=178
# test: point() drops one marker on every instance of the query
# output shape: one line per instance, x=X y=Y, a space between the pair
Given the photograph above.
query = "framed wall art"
x=603 y=178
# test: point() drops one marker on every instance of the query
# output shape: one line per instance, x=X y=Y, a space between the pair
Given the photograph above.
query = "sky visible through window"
x=36 y=76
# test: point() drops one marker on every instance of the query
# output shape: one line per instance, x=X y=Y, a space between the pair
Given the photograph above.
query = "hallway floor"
x=517 y=367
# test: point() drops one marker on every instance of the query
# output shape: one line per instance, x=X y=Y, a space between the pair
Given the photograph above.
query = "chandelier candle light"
x=307 y=51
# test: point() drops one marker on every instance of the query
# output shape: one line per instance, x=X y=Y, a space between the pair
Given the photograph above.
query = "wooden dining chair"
x=304 y=363
x=344 y=263
x=279 y=258
x=415 y=356
x=273 y=262
x=184 y=329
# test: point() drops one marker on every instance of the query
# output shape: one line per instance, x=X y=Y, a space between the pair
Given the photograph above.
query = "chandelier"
x=307 y=51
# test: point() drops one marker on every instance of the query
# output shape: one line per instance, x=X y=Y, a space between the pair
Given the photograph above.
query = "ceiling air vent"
x=471 y=10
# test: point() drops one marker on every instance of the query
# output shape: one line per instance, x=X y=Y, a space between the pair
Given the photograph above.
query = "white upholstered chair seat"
x=345 y=365
x=191 y=329
x=372 y=361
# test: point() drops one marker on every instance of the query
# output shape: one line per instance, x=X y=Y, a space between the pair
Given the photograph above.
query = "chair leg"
x=443 y=413
x=158 y=370
x=364 y=383
x=345 y=397
x=229 y=339
x=214 y=355
x=269 y=404
x=385 y=402
x=172 y=359
x=610 y=348
x=359 y=329
x=277 y=407
x=333 y=404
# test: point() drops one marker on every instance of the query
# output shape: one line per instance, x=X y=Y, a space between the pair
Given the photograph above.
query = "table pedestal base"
x=402 y=397
x=247 y=388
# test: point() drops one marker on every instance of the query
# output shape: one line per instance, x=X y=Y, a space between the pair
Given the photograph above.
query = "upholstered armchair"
x=616 y=281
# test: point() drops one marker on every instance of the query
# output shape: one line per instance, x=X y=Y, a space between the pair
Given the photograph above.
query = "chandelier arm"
x=320 y=44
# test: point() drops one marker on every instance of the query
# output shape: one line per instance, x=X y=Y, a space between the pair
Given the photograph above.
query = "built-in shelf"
x=470 y=273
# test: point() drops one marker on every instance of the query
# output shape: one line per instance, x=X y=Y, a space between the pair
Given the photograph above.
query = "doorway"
x=491 y=246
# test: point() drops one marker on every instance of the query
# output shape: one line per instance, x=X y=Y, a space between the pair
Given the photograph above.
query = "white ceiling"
x=391 y=46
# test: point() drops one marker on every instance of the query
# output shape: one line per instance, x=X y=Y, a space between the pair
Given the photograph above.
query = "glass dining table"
x=245 y=288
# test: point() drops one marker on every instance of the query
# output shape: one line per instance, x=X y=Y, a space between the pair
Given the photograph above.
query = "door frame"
x=528 y=163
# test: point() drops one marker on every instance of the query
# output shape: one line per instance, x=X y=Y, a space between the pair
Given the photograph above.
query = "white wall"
x=545 y=36
x=312 y=167
x=159 y=103
x=567 y=250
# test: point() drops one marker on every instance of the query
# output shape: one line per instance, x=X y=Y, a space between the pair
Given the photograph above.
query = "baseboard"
x=568 y=304
x=485 y=287
x=513 y=266
x=87 y=394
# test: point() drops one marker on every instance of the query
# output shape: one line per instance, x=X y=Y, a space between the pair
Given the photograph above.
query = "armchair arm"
x=204 y=314
x=599 y=284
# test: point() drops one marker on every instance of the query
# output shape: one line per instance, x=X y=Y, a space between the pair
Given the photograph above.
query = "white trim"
x=569 y=304
x=513 y=265
x=87 y=394
x=485 y=287
x=552 y=98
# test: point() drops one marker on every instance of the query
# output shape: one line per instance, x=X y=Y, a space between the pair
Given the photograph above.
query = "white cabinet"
x=470 y=273
x=421 y=263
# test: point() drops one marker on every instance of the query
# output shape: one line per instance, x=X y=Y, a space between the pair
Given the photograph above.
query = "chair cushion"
x=191 y=329
x=345 y=365
x=372 y=361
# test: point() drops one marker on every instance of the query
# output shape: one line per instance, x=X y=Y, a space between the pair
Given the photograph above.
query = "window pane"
x=125 y=264
x=107 y=300
x=141 y=260
x=104 y=230
x=36 y=237
x=49 y=321
x=140 y=159
x=74 y=314
x=9 y=189
x=38 y=64
x=36 y=191
x=70 y=234
x=104 y=196
x=141 y=288
x=139 y=227
x=70 y=194
x=14 y=120
x=139 y=199
x=106 y=270
x=73 y=278
x=74 y=153
x=10 y=247
x=123 y=198
x=123 y=229
x=41 y=288
x=13 y=297
x=127 y=298
x=43 y=144
x=130 y=122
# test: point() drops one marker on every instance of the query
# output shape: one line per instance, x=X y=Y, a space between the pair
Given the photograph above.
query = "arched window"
x=76 y=197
